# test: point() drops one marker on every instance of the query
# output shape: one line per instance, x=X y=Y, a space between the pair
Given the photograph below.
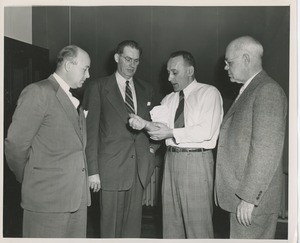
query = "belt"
x=178 y=149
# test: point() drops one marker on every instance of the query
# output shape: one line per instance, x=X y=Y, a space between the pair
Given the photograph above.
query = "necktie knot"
x=181 y=95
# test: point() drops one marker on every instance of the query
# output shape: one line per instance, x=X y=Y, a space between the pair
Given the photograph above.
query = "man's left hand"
x=244 y=213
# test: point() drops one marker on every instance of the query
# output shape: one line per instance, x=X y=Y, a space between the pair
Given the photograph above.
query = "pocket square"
x=85 y=113
x=148 y=103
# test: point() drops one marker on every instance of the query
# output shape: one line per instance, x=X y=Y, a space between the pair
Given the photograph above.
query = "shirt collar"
x=62 y=83
x=245 y=85
x=120 y=78
x=188 y=89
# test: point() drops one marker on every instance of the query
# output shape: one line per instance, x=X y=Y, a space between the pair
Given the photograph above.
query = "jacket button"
x=132 y=156
x=83 y=169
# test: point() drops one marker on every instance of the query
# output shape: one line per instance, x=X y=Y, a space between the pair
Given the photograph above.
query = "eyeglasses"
x=129 y=60
x=228 y=62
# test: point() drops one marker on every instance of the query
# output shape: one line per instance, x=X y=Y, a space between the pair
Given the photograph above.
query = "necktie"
x=75 y=95
x=179 y=116
x=128 y=99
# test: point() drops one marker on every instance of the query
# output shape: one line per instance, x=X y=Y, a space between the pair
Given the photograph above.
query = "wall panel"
x=50 y=29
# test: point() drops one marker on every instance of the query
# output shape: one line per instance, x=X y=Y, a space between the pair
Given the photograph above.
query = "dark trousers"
x=121 y=212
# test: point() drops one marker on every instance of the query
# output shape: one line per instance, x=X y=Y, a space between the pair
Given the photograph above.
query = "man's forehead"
x=130 y=50
x=174 y=64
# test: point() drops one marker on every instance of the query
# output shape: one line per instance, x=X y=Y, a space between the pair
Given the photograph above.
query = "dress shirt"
x=203 y=114
x=66 y=88
x=122 y=86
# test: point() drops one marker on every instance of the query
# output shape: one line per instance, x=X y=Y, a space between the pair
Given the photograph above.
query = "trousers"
x=187 y=195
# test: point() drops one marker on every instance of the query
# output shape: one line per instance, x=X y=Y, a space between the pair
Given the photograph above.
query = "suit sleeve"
x=92 y=104
x=26 y=121
x=268 y=131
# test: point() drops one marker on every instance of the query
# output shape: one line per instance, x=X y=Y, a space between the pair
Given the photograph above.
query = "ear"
x=67 y=65
x=191 y=71
x=246 y=58
x=117 y=57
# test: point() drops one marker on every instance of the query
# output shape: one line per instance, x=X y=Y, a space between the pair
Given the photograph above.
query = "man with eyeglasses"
x=249 y=156
x=119 y=158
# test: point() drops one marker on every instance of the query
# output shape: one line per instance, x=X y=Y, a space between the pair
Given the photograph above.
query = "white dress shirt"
x=122 y=86
x=66 y=88
x=203 y=114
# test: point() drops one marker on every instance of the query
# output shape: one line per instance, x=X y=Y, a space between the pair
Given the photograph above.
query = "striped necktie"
x=179 y=116
x=128 y=99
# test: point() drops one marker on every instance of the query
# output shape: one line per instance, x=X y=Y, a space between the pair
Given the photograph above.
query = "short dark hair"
x=131 y=43
x=187 y=57
x=67 y=53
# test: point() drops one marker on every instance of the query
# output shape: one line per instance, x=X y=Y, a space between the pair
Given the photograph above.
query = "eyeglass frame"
x=228 y=62
x=130 y=60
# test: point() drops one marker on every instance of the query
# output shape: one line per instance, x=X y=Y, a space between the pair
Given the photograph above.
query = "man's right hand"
x=94 y=182
x=136 y=122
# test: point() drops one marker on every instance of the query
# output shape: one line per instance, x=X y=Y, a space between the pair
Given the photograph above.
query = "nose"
x=226 y=67
x=171 y=76
x=87 y=74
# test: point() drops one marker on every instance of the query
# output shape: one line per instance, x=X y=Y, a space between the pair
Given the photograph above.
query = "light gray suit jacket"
x=249 y=156
x=45 y=148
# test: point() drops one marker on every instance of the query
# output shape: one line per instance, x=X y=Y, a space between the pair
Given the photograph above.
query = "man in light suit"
x=119 y=157
x=45 y=148
x=249 y=157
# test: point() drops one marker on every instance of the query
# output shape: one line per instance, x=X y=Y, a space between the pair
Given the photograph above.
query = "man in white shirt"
x=189 y=119
x=45 y=148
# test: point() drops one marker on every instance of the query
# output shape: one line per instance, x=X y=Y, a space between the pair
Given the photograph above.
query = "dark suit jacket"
x=249 y=156
x=45 y=148
x=115 y=150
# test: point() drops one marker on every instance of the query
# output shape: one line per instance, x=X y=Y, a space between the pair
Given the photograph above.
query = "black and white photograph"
x=149 y=121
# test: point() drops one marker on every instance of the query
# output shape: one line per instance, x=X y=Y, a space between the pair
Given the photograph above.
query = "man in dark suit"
x=45 y=148
x=118 y=156
x=249 y=157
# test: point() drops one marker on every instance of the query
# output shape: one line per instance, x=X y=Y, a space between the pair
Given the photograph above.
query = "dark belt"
x=177 y=149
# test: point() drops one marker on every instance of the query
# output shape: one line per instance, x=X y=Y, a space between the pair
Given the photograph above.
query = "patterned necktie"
x=128 y=99
x=179 y=116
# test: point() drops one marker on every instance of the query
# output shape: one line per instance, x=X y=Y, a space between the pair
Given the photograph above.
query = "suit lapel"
x=115 y=98
x=67 y=105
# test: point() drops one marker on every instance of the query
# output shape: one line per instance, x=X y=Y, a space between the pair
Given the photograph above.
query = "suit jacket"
x=249 y=156
x=115 y=150
x=45 y=148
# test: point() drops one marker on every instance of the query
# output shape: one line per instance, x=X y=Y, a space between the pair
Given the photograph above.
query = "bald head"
x=249 y=46
x=243 y=58
x=73 y=65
